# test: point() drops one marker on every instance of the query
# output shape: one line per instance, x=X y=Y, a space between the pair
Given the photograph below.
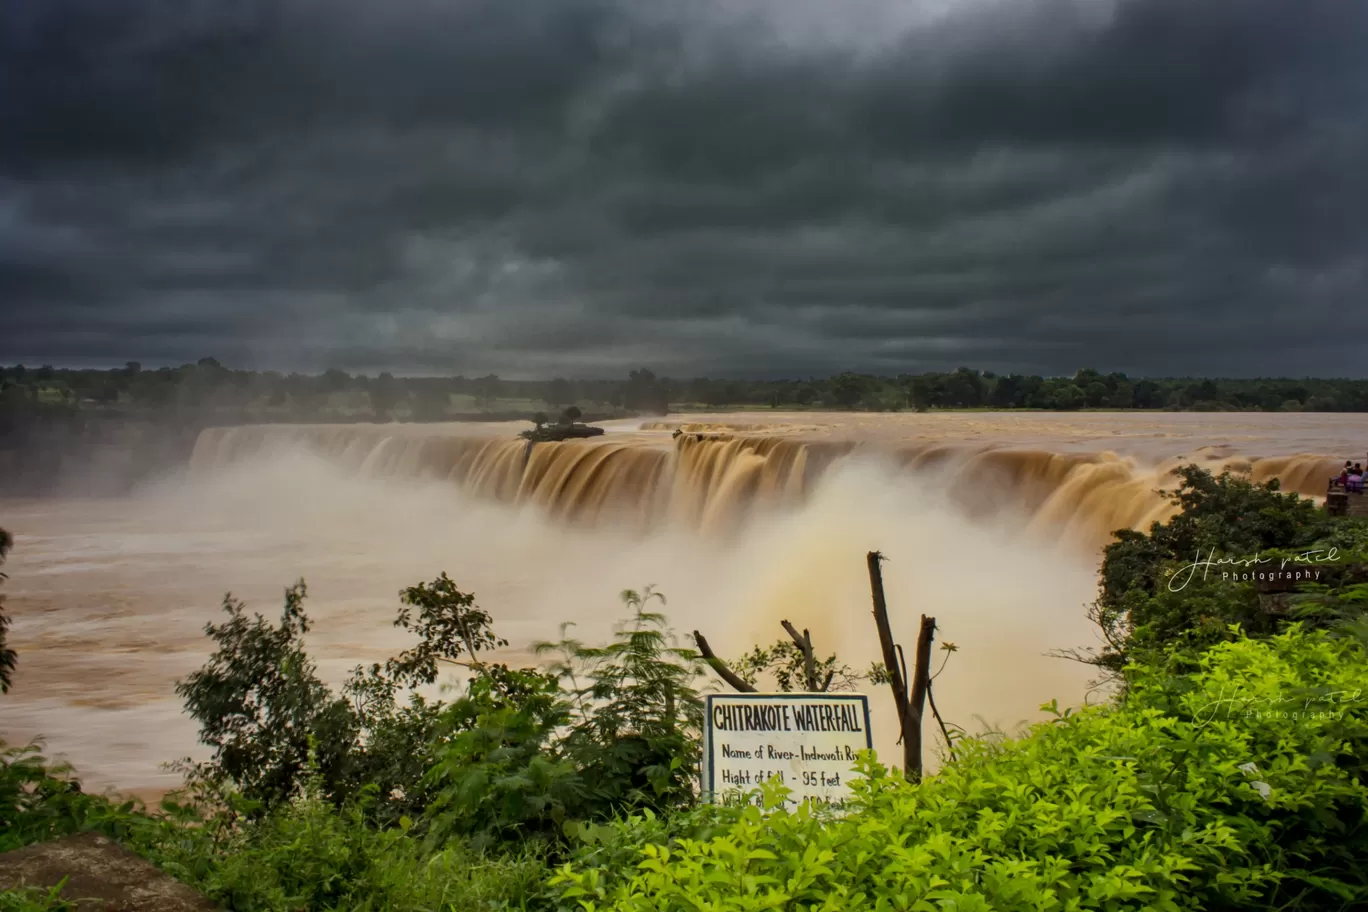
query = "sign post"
x=809 y=740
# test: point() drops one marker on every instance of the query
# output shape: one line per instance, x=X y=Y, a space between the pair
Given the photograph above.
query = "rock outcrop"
x=101 y=876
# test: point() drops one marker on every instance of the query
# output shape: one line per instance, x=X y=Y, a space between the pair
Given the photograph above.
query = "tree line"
x=209 y=387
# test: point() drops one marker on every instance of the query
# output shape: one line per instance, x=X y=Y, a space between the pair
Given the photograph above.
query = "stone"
x=101 y=876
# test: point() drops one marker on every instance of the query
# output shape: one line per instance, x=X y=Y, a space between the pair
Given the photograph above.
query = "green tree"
x=1144 y=605
x=559 y=392
x=1007 y=392
x=964 y=389
x=262 y=709
x=432 y=402
x=1122 y=396
x=923 y=393
x=1068 y=397
x=335 y=380
x=7 y=656
x=1096 y=394
x=384 y=395
x=1148 y=395
x=489 y=388
x=644 y=392
x=848 y=389
x=270 y=721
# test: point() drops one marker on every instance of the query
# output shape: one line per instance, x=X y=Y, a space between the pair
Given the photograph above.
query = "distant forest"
x=208 y=389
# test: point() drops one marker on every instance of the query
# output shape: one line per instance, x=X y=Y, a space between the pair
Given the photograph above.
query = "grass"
x=33 y=900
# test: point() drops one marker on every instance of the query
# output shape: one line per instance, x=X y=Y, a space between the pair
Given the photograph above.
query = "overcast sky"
x=720 y=187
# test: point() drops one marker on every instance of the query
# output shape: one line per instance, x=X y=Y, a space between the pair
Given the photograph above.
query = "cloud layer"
x=725 y=187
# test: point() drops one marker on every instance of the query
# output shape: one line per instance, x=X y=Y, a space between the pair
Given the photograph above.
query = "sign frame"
x=707 y=770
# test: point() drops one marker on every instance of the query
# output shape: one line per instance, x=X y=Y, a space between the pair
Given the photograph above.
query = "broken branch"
x=719 y=666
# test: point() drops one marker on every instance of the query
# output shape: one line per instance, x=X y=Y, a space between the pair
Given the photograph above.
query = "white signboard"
x=809 y=740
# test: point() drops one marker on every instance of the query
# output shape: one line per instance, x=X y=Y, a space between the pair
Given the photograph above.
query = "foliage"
x=208 y=386
x=7 y=656
x=637 y=715
x=304 y=853
x=310 y=854
x=41 y=800
x=34 y=900
x=1153 y=594
x=1195 y=792
x=784 y=662
x=608 y=729
x=498 y=777
x=449 y=625
x=264 y=711
x=384 y=395
x=518 y=756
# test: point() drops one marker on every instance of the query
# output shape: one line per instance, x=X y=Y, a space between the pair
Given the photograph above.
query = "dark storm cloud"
x=718 y=186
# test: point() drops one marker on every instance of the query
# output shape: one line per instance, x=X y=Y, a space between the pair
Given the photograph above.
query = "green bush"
x=7 y=657
x=1141 y=615
x=607 y=730
x=263 y=710
x=520 y=756
x=32 y=900
x=1192 y=793
x=40 y=800
x=308 y=854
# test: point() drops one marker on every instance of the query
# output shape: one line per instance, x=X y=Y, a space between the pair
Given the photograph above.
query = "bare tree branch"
x=945 y=732
x=720 y=666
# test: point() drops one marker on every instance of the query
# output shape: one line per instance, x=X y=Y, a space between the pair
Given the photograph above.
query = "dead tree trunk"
x=910 y=705
x=804 y=644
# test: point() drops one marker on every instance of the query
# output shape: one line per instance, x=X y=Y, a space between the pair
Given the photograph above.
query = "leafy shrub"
x=309 y=854
x=40 y=800
x=1138 y=612
x=264 y=711
x=262 y=708
x=636 y=716
x=607 y=730
x=33 y=900
x=7 y=656
x=1193 y=793
x=499 y=777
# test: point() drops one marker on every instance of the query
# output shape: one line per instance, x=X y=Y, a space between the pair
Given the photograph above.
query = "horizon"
x=622 y=377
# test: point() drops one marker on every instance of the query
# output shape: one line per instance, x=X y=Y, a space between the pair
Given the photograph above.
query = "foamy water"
x=110 y=597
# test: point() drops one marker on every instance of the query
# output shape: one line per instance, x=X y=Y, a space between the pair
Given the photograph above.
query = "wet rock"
x=101 y=876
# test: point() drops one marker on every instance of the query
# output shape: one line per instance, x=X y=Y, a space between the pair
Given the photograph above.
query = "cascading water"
x=713 y=482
